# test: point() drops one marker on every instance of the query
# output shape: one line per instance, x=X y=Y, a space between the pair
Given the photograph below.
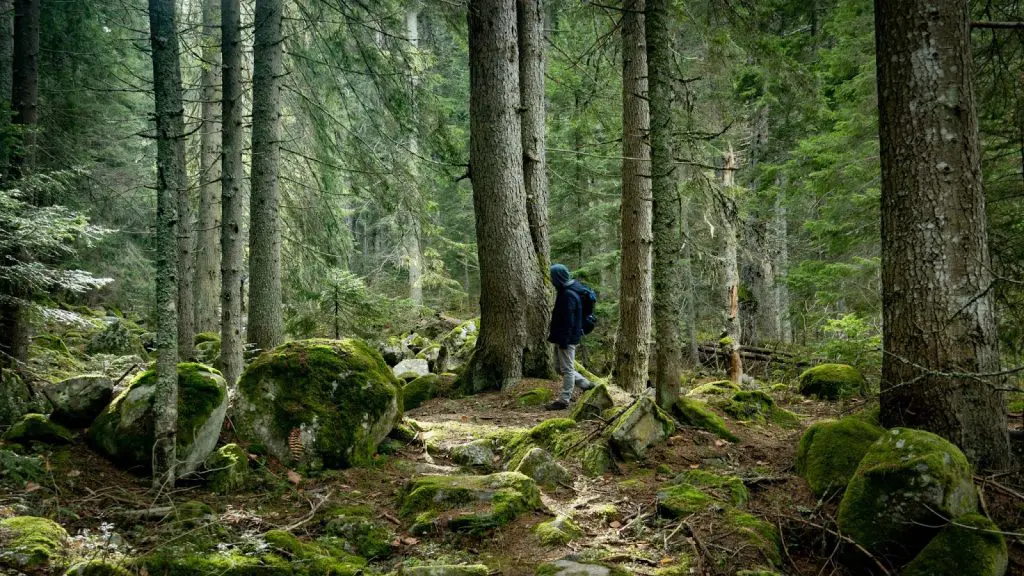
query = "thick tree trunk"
x=633 y=340
x=668 y=269
x=266 y=322
x=513 y=318
x=939 y=329
x=730 y=218
x=413 y=249
x=207 y=276
x=531 y=88
x=232 y=199
x=171 y=181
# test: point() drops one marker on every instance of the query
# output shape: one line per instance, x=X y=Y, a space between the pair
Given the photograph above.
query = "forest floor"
x=94 y=500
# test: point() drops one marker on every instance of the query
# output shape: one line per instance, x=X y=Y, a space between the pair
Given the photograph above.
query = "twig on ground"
x=848 y=540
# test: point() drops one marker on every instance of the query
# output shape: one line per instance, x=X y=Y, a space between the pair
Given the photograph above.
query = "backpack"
x=588 y=298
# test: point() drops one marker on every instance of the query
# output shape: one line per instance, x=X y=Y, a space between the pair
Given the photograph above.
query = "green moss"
x=360 y=534
x=30 y=543
x=757 y=406
x=832 y=382
x=178 y=563
x=592 y=403
x=37 y=428
x=716 y=388
x=97 y=568
x=681 y=500
x=322 y=558
x=420 y=390
x=907 y=481
x=596 y=459
x=557 y=532
x=696 y=413
x=342 y=387
x=725 y=341
x=535 y=397
x=505 y=496
x=447 y=570
x=871 y=415
x=206 y=337
x=663 y=469
x=970 y=546
x=641 y=426
x=590 y=376
x=680 y=567
x=227 y=469
x=555 y=435
x=830 y=451
x=606 y=512
x=757 y=532
x=726 y=488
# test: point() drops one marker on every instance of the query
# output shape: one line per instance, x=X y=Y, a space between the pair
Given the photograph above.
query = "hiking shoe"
x=588 y=386
x=558 y=405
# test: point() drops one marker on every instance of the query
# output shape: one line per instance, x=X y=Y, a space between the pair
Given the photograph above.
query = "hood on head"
x=560 y=276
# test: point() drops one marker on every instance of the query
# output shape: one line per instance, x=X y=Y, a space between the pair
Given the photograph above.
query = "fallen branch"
x=846 y=539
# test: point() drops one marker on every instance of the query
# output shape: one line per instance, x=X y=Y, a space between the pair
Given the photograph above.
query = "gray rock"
x=411 y=366
x=571 y=567
x=542 y=467
x=460 y=570
x=639 y=428
x=592 y=403
x=77 y=401
x=476 y=454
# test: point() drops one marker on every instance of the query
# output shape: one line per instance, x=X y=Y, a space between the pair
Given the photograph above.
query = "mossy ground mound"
x=535 y=397
x=696 y=413
x=969 y=546
x=716 y=388
x=37 y=428
x=468 y=504
x=830 y=451
x=124 y=431
x=557 y=532
x=592 y=403
x=756 y=406
x=227 y=469
x=359 y=533
x=421 y=389
x=337 y=397
x=907 y=481
x=97 y=568
x=30 y=544
x=832 y=382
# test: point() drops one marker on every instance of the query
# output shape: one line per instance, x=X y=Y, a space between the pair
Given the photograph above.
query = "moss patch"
x=726 y=488
x=535 y=397
x=592 y=403
x=830 y=451
x=419 y=391
x=832 y=382
x=970 y=546
x=716 y=388
x=30 y=543
x=557 y=532
x=227 y=469
x=681 y=500
x=756 y=406
x=97 y=568
x=470 y=504
x=698 y=414
x=37 y=428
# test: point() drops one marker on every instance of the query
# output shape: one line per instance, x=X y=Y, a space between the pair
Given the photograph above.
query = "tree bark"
x=25 y=81
x=207 y=273
x=633 y=340
x=691 y=359
x=266 y=322
x=171 y=182
x=730 y=218
x=668 y=271
x=6 y=77
x=513 y=316
x=232 y=206
x=939 y=331
x=781 y=232
x=531 y=89
x=413 y=249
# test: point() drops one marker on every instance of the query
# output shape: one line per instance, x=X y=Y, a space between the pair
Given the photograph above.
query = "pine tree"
x=632 y=343
x=265 y=328
x=207 y=270
x=171 y=181
x=531 y=87
x=939 y=331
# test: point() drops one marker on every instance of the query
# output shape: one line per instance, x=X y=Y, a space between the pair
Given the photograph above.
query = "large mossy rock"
x=638 y=428
x=30 y=544
x=970 y=546
x=757 y=406
x=120 y=337
x=830 y=451
x=697 y=413
x=907 y=481
x=592 y=404
x=544 y=469
x=37 y=428
x=832 y=382
x=424 y=388
x=468 y=504
x=124 y=430
x=337 y=398
x=457 y=346
x=411 y=369
x=78 y=401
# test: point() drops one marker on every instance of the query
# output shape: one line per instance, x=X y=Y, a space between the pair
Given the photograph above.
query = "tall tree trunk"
x=414 y=252
x=730 y=220
x=781 y=265
x=171 y=182
x=513 y=317
x=633 y=340
x=266 y=328
x=207 y=274
x=6 y=78
x=232 y=206
x=668 y=272
x=939 y=331
x=531 y=89
x=689 y=345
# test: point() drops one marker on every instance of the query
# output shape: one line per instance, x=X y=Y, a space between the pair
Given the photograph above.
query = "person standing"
x=571 y=318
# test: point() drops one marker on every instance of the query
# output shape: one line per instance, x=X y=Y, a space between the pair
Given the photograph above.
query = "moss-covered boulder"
x=535 y=397
x=555 y=435
x=908 y=480
x=97 y=568
x=969 y=546
x=475 y=454
x=571 y=566
x=469 y=504
x=756 y=406
x=411 y=369
x=16 y=470
x=77 y=401
x=30 y=544
x=557 y=532
x=696 y=413
x=596 y=458
x=457 y=346
x=424 y=388
x=832 y=382
x=124 y=430
x=172 y=562
x=716 y=388
x=323 y=557
x=544 y=469
x=37 y=428
x=640 y=427
x=729 y=489
x=592 y=404
x=17 y=398
x=120 y=337
x=681 y=500
x=227 y=469
x=830 y=451
x=318 y=403
x=208 y=352
x=359 y=533
x=446 y=570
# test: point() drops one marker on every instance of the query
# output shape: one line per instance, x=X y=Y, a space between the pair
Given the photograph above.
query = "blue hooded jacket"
x=567 y=316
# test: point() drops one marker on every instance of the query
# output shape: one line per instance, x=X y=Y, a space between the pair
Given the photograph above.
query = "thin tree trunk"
x=690 y=357
x=633 y=340
x=171 y=181
x=232 y=206
x=730 y=217
x=531 y=87
x=6 y=77
x=25 y=81
x=668 y=272
x=266 y=322
x=414 y=252
x=207 y=277
x=513 y=317
x=781 y=230
x=939 y=330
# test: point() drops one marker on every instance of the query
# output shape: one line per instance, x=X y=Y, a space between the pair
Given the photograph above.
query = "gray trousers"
x=565 y=361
